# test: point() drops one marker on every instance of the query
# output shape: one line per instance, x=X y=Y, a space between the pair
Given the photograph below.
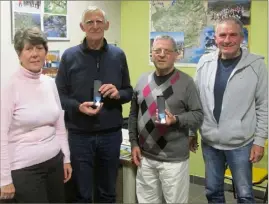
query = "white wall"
x=9 y=59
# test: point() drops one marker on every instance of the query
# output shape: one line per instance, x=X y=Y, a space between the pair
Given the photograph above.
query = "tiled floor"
x=197 y=195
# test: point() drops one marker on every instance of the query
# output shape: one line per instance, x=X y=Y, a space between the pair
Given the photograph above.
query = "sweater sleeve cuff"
x=259 y=141
x=134 y=144
x=6 y=180
x=122 y=95
x=181 y=119
x=67 y=159
x=66 y=153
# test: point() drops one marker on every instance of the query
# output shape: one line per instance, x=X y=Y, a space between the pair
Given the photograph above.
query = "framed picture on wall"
x=52 y=63
x=50 y=16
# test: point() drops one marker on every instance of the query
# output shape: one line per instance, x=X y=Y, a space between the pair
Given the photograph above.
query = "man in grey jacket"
x=164 y=147
x=233 y=87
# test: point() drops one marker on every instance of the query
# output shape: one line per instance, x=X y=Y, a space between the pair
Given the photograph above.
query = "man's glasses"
x=163 y=51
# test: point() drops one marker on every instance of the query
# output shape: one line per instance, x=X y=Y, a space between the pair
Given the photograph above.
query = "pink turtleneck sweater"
x=32 y=124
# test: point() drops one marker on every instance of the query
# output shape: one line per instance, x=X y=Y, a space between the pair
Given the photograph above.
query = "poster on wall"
x=52 y=63
x=219 y=9
x=196 y=20
x=50 y=16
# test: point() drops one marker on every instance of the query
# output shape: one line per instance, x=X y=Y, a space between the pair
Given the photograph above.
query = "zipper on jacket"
x=98 y=61
x=98 y=64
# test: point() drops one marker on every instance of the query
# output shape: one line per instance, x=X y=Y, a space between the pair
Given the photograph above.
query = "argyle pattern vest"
x=151 y=135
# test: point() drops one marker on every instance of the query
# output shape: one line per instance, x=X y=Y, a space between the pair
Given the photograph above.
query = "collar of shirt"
x=85 y=47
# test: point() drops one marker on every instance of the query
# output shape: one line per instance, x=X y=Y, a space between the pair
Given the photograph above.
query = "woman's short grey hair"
x=34 y=36
x=234 y=20
x=167 y=37
x=92 y=9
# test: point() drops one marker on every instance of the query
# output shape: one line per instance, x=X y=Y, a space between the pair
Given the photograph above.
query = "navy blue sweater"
x=225 y=68
x=78 y=68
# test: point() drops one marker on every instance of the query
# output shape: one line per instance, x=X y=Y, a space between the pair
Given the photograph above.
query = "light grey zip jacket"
x=244 y=113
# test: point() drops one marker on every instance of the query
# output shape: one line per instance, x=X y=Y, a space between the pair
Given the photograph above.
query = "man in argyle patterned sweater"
x=161 y=151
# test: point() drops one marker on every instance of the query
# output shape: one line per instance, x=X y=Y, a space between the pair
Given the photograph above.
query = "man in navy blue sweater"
x=94 y=132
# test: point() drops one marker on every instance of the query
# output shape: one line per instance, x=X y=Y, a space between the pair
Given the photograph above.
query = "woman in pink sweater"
x=35 y=158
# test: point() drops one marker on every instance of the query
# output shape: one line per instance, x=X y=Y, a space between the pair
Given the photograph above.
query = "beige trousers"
x=157 y=180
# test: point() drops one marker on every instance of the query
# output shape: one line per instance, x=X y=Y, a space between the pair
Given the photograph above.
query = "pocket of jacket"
x=231 y=132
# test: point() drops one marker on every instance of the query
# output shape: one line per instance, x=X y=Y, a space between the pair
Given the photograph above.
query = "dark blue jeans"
x=95 y=162
x=241 y=168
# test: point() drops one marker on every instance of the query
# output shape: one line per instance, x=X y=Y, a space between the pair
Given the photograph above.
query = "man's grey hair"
x=167 y=37
x=92 y=9
x=234 y=20
x=33 y=35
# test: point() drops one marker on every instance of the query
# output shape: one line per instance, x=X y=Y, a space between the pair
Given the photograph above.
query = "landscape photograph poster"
x=196 y=21
x=50 y=16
